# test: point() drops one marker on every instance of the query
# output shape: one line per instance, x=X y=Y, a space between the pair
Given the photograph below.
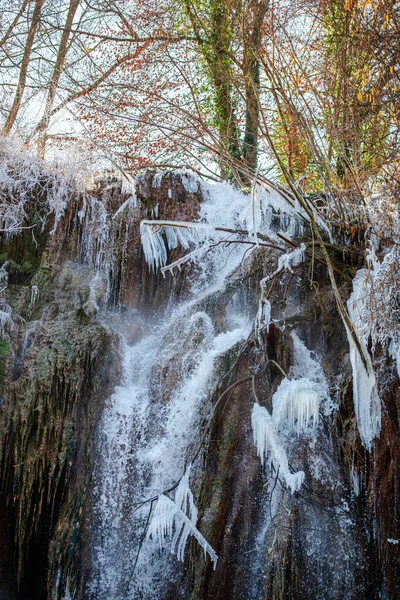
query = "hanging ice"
x=263 y=317
x=175 y=232
x=367 y=404
x=296 y=403
x=35 y=293
x=270 y=448
x=178 y=519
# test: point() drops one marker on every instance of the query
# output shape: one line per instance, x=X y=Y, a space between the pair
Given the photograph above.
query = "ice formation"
x=270 y=448
x=251 y=215
x=155 y=246
x=394 y=352
x=292 y=259
x=367 y=405
x=35 y=293
x=263 y=318
x=3 y=276
x=296 y=404
x=22 y=173
x=7 y=325
x=383 y=301
x=178 y=519
x=295 y=407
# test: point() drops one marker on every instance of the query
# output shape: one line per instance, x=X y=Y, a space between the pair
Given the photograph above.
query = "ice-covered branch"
x=177 y=519
x=159 y=236
x=292 y=259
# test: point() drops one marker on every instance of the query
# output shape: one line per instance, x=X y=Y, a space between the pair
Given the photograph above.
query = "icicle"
x=157 y=179
x=34 y=296
x=180 y=517
x=263 y=318
x=367 y=404
x=270 y=448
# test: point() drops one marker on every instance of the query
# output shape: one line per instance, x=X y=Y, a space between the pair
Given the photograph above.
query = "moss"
x=4 y=348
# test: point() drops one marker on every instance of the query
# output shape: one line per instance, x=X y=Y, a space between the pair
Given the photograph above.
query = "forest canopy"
x=301 y=92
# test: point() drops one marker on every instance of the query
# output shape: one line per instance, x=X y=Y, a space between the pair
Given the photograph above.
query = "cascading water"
x=150 y=429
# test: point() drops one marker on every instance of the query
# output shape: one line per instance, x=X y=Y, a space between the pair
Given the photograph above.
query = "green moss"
x=4 y=348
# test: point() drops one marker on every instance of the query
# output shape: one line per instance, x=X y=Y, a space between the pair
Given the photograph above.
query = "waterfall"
x=150 y=429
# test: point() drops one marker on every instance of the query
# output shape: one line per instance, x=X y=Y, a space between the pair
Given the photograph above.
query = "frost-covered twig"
x=23 y=177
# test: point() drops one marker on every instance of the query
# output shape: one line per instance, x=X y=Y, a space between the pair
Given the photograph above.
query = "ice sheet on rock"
x=270 y=448
x=189 y=180
x=367 y=405
x=381 y=309
x=178 y=519
x=394 y=352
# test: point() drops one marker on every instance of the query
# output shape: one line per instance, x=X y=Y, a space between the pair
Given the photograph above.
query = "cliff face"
x=332 y=539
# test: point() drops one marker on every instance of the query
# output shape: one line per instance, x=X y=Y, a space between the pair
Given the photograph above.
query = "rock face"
x=333 y=539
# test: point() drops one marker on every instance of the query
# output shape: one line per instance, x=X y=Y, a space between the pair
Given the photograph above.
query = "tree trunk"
x=24 y=68
x=251 y=68
x=61 y=56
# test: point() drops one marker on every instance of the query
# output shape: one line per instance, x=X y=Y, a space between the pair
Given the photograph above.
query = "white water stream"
x=151 y=426
x=150 y=430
